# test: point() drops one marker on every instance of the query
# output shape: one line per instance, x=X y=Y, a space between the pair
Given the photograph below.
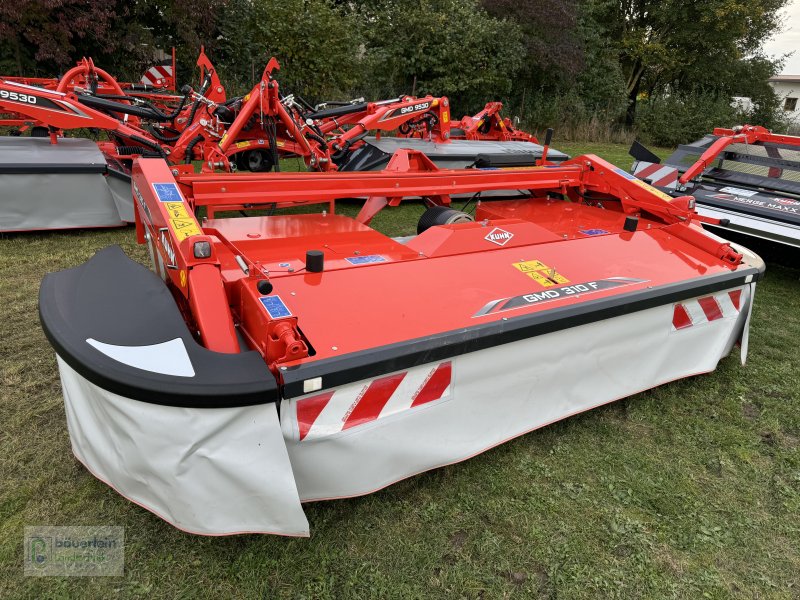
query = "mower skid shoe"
x=189 y=434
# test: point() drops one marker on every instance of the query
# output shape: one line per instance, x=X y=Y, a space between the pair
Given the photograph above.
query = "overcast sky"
x=789 y=39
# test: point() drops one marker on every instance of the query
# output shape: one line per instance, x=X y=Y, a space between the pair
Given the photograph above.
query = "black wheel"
x=240 y=160
x=441 y=215
x=258 y=161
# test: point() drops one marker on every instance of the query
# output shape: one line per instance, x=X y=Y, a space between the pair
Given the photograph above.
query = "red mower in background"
x=252 y=132
x=487 y=125
x=154 y=86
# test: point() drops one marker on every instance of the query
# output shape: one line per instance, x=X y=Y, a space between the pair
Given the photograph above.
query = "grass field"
x=686 y=491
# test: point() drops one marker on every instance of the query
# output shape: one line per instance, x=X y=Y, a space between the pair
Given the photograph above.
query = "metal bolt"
x=334 y=347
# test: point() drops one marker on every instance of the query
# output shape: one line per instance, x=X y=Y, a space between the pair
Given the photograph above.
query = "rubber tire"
x=258 y=161
x=441 y=215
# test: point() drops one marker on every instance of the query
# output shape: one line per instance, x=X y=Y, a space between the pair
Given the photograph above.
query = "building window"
x=790 y=104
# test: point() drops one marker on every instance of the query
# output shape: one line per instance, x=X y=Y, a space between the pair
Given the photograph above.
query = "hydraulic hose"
x=190 y=148
x=145 y=142
x=163 y=138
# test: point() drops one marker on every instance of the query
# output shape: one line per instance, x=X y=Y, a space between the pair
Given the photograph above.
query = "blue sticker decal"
x=365 y=260
x=593 y=231
x=167 y=192
x=275 y=307
x=624 y=173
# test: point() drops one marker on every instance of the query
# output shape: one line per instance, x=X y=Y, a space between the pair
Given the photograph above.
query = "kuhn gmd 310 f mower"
x=747 y=177
x=276 y=360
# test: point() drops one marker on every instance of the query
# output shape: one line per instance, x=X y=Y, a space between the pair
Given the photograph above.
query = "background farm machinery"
x=201 y=124
x=250 y=132
x=747 y=177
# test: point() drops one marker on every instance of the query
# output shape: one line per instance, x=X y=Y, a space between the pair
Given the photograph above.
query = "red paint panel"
x=374 y=399
x=308 y=410
x=680 y=317
x=736 y=298
x=436 y=385
x=710 y=307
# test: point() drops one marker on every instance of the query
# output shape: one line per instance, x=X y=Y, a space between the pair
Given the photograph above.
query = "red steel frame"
x=193 y=267
x=206 y=137
x=488 y=124
x=744 y=134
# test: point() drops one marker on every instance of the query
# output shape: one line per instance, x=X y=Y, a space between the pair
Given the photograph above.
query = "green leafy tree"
x=442 y=47
x=684 y=45
x=316 y=43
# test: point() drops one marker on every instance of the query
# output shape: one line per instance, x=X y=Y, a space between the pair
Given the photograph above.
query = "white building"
x=787 y=87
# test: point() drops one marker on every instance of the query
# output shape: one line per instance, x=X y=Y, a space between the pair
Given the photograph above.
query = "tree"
x=36 y=33
x=686 y=45
x=316 y=43
x=551 y=37
x=442 y=47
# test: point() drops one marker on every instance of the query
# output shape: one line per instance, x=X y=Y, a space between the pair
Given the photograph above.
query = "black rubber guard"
x=114 y=300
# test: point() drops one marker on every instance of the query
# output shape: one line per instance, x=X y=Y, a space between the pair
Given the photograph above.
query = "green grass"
x=689 y=490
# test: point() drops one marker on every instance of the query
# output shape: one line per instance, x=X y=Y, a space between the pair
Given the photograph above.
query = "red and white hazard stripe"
x=157 y=75
x=352 y=405
x=657 y=174
x=706 y=309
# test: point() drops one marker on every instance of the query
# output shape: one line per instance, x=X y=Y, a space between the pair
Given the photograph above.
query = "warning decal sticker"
x=184 y=228
x=646 y=186
x=177 y=210
x=275 y=307
x=541 y=273
x=588 y=287
x=365 y=260
x=167 y=192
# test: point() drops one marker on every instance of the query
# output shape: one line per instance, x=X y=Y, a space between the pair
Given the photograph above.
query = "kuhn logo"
x=499 y=236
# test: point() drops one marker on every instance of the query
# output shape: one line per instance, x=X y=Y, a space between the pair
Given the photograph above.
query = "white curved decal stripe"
x=166 y=358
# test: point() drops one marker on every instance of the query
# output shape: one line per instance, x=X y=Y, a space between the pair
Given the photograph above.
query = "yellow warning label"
x=280 y=144
x=176 y=210
x=531 y=265
x=540 y=273
x=184 y=228
x=242 y=144
x=541 y=279
x=183 y=278
x=445 y=116
x=653 y=190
